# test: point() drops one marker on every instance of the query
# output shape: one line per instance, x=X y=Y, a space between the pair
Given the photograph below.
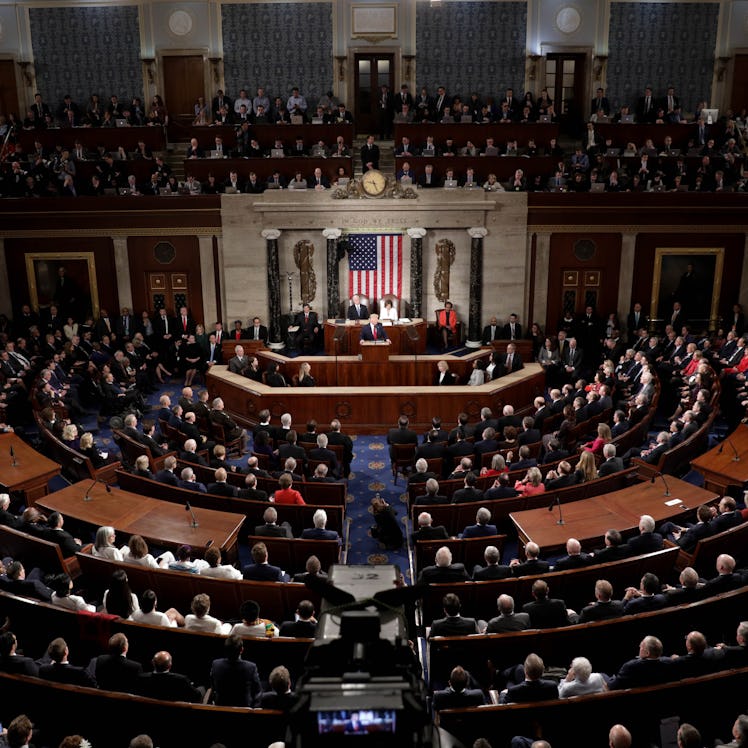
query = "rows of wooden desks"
x=727 y=463
x=92 y=137
x=220 y=168
x=588 y=520
x=397 y=385
x=161 y=523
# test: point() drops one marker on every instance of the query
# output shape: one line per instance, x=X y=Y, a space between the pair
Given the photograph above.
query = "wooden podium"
x=375 y=351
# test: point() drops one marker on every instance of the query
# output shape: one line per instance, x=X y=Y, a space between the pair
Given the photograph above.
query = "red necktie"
x=374 y=332
x=184 y=323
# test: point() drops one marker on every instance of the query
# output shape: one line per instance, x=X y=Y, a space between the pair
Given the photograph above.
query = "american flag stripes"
x=375 y=265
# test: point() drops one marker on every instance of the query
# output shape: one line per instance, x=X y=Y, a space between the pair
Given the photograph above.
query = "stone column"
x=122 y=268
x=416 y=271
x=476 y=279
x=626 y=278
x=6 y=307
x=208 y=273
x=274 y=297
x=333 y=274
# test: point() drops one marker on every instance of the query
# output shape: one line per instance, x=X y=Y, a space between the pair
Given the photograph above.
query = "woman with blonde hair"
x=603 y=437
x=531 y=484
x=136 y=552
x=305 y=375
x=498 y=466
x=586 y=468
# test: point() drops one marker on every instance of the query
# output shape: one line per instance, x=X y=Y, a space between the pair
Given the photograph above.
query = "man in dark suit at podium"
x=374 y=330
x=308 y=324
x=357 y=310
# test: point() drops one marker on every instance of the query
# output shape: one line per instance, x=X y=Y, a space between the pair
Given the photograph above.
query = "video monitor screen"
x=356 y=722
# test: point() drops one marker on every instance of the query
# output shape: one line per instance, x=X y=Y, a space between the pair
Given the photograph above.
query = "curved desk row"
x=370 y=409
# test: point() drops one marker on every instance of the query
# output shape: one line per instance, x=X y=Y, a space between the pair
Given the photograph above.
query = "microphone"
x=87 y=495
x=736 y=456
x=188 y=508
x=13 y=462
x=557 y=502
x=661 y=475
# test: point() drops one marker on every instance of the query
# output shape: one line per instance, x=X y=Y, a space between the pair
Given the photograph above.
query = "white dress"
x=388 y=313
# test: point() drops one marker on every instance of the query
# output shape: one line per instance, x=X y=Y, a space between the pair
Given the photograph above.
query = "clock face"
x=373 y=182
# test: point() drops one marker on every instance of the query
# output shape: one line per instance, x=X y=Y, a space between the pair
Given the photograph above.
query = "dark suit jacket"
x=501 y=624
x=438 y=574
x=65 y=540
x=610 y=466
x=222 y=489
x=454 y=626
x=235 y=682
x=640 y=672
x=601 y=611
x=263 y=573
x=448 y=699
x=273 y=531
x=366 y=333
x=497 y=571
x=644 y=604
x=531 y=566
x=284 y=702
x=448 y=380
x=168 y=687
x=464 y=495
x=76 y=676
x=19 y=665
x=573 y=562
x=299 y=629
x=363 y=314
x=546 y=614
x=166 y=476
x=116 y=673
x=647 y=542
x=315 y=533
x=536 y=690
x=479 y=531
x=262 y=336
x=497 y=333
x=438 y=532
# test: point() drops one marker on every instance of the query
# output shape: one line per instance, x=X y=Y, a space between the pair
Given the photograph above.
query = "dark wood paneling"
x=200 y=168
x=183 y=83
x=110 y=137
x=106 y=275
x=607 y=258
x=540 y=132
x=8 y=89
x=267 y=134
x=186 y=260
x=646 y=244
x=502 y=166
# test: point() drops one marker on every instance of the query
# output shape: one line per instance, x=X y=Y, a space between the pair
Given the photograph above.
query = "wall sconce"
x=149 y=63
x=722 y=67
x=341 y=60
x=598 y=65
x=27 y=71
x=532 y=71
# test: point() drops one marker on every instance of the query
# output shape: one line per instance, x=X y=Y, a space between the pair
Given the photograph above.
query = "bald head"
x=619 y=737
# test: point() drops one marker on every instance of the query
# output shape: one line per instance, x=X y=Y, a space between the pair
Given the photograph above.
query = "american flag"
x=375 y=265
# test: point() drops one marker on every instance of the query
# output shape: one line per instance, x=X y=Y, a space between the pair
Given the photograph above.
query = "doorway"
x=183 y=83
x=565 y=80
x=372 y=71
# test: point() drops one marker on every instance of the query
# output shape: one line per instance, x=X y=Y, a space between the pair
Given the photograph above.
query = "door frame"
x=203 y=52
x=590 y=81
x=395 y=51
x=21 y=83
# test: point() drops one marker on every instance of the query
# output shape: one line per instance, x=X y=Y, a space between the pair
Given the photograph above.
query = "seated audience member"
x=688 y=590
x=271 y=528
x=580 y=680
x=727 y=578
x=183 y=561
x=104 y=545
x=148 y=612
x=481 y=528
x=493 y=569
x=699 y=659
x=574 y=558
x=280 y=696
x=611 y=464
x=432 y=495
x=534 y=687
x=457 y=694
x=319 y=531
x=647 y=541
x=422 y=473
x=736 y=655
x=313 y=568
x=15 y=582
x=220 y=487
x=251 y=623
x=234 y=680
x=305 y=625
x=60 y=670
x=136 y=552
x=546 y=612
x=533 y=564
x=165 y=685
x=507 y=620
x=615 y=549
x=468 y=492
x=687 y=537
x=443 y=570
x=501 y=489
x=454 y=624
x=647 y=597
x=604 y=606
x=113 y=671
x=647 y=669
x=427 y=531
x=532 y=484
x=62 y=585
x=216 y=569
x=11 y=661
x=286 y=494
x=260 y=570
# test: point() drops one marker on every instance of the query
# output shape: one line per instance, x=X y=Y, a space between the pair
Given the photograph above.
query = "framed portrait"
x=65 y=279
x=691 y=276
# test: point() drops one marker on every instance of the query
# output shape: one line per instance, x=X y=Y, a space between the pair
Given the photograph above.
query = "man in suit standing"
x=385 y=113
x=374 y=330
x=573 y=360
x=357 y=310
x=646 y=107
x=235 y=681
x=370 y=154
x=257 y=331
x=600 y=103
